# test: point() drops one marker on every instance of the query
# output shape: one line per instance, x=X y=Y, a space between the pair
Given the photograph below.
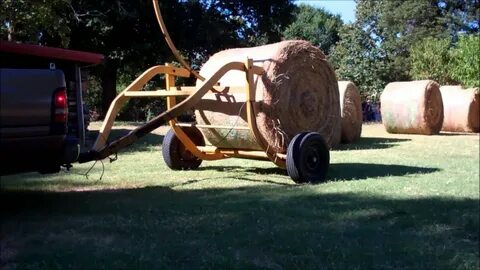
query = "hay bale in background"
x=351 y=111
x=298 y=92
x=412 y=107
x=461 y=109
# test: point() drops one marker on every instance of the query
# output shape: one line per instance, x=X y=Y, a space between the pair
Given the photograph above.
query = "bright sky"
x=344 y=8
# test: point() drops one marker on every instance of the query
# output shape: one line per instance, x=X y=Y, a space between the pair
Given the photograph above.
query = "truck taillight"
x=60 y=106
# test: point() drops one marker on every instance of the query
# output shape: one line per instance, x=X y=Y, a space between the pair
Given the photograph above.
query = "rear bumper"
x=36 y=153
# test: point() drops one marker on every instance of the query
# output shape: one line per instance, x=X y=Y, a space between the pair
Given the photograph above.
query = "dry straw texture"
x=351 y=111
x=298 y=92
x=461 y=109
x=412 y=107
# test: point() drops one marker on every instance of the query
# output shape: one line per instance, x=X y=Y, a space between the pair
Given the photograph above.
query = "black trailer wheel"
x=308 y=158
x=176 y=156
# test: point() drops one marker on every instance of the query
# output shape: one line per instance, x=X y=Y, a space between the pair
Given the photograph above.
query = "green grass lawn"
x=392 y=201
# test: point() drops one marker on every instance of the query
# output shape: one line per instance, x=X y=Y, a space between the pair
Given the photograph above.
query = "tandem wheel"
x=176 y=156
x=308 y=158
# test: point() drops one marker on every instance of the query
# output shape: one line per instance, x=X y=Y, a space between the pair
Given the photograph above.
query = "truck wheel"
x=176 y=156
x=49 y=169
x=308 y=158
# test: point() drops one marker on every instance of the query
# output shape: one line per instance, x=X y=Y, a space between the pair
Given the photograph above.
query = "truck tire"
x=49 y=169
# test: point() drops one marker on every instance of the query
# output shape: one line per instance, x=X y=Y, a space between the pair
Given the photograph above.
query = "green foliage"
x=128 y=34
x=436 y=59
x=466 y=61
x=391 y=40
x=256 y=22
x=357 y=58
x=45 y=21
x=386 y=41
x=431 y=59
x=398 y=25
x=459 y=16
x=93 y=98
x=316 y=25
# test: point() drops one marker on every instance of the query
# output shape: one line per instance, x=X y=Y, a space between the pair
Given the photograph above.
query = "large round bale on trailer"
x=298 y=92
x=412 y=107
x=461 y=109
x=351 y=111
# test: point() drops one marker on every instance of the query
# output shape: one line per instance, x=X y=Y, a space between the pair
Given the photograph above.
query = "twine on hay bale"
x=412 y=107
x=461 y=109
x=298 y=92
x=351 y=111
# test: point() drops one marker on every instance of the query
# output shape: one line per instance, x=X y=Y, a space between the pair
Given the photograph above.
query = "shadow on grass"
x=142 y=144
x=350 y=171
x=337 y=171
x=443 y=133
x=194 y=181
x=365 y=143
x=252 y=227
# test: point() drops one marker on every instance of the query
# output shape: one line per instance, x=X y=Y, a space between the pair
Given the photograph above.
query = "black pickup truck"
x=42 y=124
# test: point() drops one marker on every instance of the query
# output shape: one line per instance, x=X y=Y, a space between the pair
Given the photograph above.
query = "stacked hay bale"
x=298 y=92
x=461 y=108
x=412 y=107
x=351 y=111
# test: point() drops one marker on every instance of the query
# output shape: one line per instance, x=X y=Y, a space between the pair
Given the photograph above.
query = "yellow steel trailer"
x=307 y=158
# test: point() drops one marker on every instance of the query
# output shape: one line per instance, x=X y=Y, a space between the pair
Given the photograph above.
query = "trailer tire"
x=176 y=156
x=308 y=158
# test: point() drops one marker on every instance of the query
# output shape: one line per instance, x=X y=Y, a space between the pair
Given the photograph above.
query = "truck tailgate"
x=23 y=111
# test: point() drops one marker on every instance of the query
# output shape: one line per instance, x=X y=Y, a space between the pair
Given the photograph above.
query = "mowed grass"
x=391 y=202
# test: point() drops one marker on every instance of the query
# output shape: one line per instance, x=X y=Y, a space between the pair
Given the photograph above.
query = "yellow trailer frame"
x=102 y=149
x=307 y=157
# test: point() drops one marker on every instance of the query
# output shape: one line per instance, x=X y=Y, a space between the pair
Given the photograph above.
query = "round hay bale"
x=298 y=92
x=412 y=107
x=461 y=109
x=351 y=111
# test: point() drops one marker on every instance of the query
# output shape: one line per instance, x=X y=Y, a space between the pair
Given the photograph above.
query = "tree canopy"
x=126 y=31
x=357 y=58
x=390 y=40
x=377 y=47
x=41 y=22
x=431 y=59
x=316 y=25
x=466 y=61
x=397 y=25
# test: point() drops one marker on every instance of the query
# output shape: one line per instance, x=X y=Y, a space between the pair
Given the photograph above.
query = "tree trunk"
x=109 y=85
